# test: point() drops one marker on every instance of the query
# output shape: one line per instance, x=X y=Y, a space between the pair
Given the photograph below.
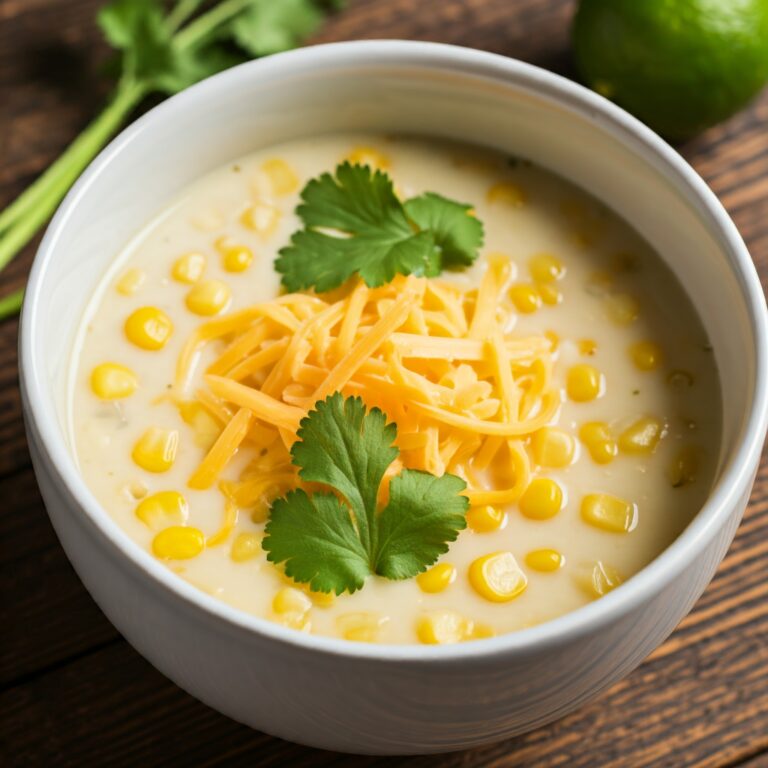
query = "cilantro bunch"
x=355 y=223
x=333 y=540
x=159 y=52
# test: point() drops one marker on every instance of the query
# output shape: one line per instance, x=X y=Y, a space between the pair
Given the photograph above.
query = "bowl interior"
x=405 y=88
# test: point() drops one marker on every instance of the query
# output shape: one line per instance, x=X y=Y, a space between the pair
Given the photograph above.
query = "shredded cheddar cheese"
x=439 y=361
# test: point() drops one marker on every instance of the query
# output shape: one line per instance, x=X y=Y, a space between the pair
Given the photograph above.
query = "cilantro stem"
x=11 y=304
x=33 y=208
x=40 y=199
x=181 y=12
x=21 y=219
x=203 y=26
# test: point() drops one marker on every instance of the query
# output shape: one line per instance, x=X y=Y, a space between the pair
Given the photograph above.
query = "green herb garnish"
x=334 y=541
x=372 y=233
x=162 y=53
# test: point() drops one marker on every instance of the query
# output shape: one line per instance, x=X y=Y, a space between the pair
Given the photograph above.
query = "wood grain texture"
x=74 y=693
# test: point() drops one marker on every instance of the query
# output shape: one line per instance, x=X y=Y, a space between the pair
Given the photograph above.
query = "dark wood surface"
x=74 y=693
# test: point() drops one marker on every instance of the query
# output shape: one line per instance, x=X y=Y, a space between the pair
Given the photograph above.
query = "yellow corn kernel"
x=224 y=243
x=549 y=293
x=291 y=600
x=188 y=268
x=148 y=328
x=546 y=268
x=480 y=631
x=130 y=281
x=485 y=519
x=645 y=355
x=437 y=578
x=596 y=435
x=621 y=308
x=136 y=490
x=298 y=621
x=525 y=298
x=682 y=470
x=598 y=579
x=208 y=298
x=599 y=283
x=261 y=217
x=281 y=176
x=608 y=512
x=206 y=428
x=322 y=599
x=542 y=499
x=680 y=380
x=112 y=381
x=553 y=339
x=583 y=383
x=360 y=627
x=553 y=447
x=544 y=560
x=156 y=449
x=237 y=258
x=497 y=577
x=506 y=192
x=178 y=542
x=642 y=437
x=441 y=627
x=245 y=546
x=292 y=606
x=587 y=347
x=160 y=509
x=368 y=156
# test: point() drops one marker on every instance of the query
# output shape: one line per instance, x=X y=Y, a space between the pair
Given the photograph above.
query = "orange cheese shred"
x=262 y=406
x=222 y=451
x=346 y=368
x=441 y=361
x=227 y=525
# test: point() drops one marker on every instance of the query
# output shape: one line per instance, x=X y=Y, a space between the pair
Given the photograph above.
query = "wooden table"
x=75 y=693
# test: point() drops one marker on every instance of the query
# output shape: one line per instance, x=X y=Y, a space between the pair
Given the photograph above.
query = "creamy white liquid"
x=556 y=218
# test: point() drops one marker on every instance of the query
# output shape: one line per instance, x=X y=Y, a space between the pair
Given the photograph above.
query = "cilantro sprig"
x=333 y=540
x=373 y=233
x=163 y=53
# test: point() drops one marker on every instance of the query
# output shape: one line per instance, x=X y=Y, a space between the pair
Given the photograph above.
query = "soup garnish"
x=375 y=234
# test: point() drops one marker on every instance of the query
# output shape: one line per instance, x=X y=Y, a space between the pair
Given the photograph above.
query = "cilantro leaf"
x=354 y=223
x=267 y=26
x=457 y=233
x=138 y=29
x=424 y=513
x=318 y=542
x=334 y=542
x=343 y=446
x=151 y=55
x=377 y=240
x=120 y=19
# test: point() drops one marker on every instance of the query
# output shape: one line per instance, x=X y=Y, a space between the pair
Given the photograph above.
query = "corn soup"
x=556 y=400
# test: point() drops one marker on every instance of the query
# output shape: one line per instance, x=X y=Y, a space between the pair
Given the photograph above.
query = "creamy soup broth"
x=613 y=294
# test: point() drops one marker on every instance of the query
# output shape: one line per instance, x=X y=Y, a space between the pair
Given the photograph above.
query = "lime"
x=679 y=65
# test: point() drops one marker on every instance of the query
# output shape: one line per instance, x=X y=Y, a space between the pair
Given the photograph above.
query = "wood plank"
x=46 y=614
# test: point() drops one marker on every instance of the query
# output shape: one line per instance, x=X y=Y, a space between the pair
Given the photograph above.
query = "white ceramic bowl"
x=374 y=698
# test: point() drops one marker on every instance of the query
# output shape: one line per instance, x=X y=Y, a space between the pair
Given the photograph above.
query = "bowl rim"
x=735 y=478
